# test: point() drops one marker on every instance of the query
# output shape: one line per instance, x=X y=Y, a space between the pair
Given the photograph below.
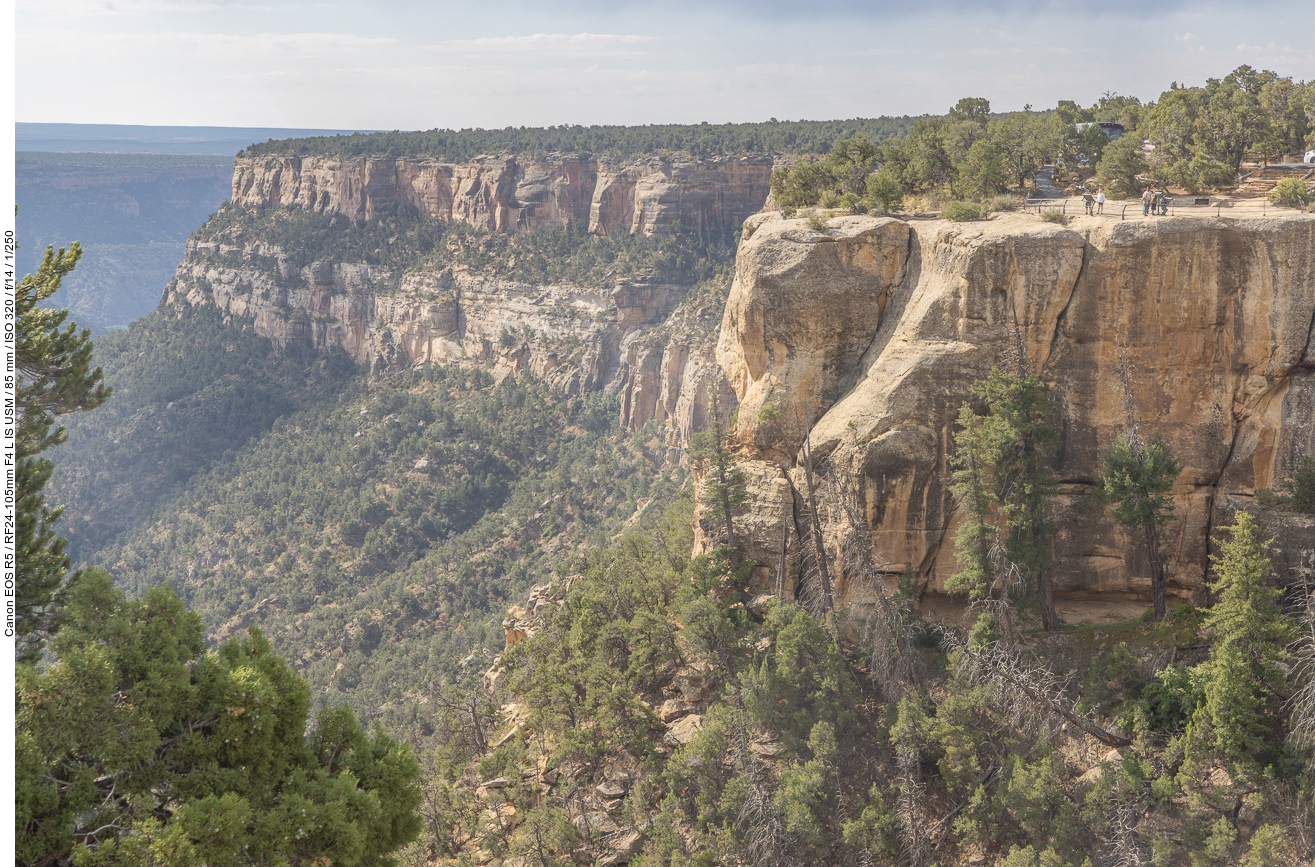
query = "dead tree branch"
x=1023 y=688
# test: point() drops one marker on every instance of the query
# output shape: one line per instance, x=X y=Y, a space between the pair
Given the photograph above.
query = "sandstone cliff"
x=506 y=193
x=646 y=343
x=867 y=337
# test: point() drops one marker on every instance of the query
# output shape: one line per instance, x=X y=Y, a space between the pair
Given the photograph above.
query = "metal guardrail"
x=1043 y=204
x=1171 y=210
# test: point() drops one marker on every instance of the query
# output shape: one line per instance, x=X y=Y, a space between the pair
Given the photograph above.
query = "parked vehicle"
x=1309 y=157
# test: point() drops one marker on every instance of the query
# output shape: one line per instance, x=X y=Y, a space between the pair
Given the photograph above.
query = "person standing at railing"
x=1146 y=202
x=1100 y=202
x=1088 y=202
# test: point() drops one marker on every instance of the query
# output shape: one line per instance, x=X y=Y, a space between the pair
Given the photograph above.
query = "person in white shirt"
x=1100 y=202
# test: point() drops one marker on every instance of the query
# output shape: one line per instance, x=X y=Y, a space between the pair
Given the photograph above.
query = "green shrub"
x=885 y=187
x=1051 y=215
x=1031 y=794
x=1266 y=844
x=1004 y=203
x=1169 y=701
x=1213 y=845
x=1114 y=676
x=1303 y=487
x=1291 y=191
x=961 y=212
x=852 y=204
x=817 y=222
x=875 y=829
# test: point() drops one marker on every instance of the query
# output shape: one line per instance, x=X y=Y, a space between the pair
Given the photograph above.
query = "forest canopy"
x=616 y=142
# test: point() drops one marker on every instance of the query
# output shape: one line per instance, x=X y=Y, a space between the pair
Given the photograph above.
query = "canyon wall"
x=646 y=343
x=507 y=193
x=866 y=338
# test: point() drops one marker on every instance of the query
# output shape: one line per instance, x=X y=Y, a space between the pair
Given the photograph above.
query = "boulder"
x=593 y=824
x=610 y=789
x=672 y=709
x=622 y=849
x=683 y=731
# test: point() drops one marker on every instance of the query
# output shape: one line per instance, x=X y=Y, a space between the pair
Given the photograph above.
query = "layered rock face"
x=507 y=193
x=866 y=339
x=635 y=340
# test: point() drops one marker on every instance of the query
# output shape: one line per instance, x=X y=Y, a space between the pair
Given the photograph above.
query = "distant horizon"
x=176 y=139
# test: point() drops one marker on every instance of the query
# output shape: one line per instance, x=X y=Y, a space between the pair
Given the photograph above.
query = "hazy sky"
x=407 y=64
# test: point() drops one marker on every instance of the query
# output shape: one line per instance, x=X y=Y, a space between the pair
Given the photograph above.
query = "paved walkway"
x=1045 y=184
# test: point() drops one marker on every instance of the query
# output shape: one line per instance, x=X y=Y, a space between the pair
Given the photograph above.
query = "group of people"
x=1155 y=202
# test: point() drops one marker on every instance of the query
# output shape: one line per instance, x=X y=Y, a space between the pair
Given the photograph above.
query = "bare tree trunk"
x=891 y=659
x=819 y=546
x=780 y=567
x=768 y=843
x=1150 y=533
x=1157 y=571
x=909 y=806
x=1123 y=843
x=722 y=470
x=1045 y=589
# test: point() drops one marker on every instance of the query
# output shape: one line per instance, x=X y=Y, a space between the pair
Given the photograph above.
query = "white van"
x=1309 y=157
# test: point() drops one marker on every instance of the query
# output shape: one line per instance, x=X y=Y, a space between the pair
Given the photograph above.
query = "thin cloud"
x=547 y=43
x=884 y=10
x=288 y=46
x=92 y=8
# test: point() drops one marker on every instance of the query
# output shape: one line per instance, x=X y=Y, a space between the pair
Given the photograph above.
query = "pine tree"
x=724 y=481
x=1137 y=477
x=1004 y=471
x=1244 y=676
x=54 y=378
x=136 y=745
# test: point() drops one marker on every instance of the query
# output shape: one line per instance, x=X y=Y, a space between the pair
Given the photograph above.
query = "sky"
x=421 y=64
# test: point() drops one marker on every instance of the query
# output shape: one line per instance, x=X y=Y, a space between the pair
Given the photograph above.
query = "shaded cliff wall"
x=506 y=193
x=646 y=343
x=871 y=333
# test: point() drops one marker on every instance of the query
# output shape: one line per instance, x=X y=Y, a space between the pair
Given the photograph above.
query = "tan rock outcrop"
x=1216 y=315
x=506 y=193
x=428 y=317
x=789 y=345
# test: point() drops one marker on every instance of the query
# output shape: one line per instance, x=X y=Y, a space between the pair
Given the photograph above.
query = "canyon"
x=862 y=338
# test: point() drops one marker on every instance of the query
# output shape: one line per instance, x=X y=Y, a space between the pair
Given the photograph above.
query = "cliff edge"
x=508 y=193
x=866 y=338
